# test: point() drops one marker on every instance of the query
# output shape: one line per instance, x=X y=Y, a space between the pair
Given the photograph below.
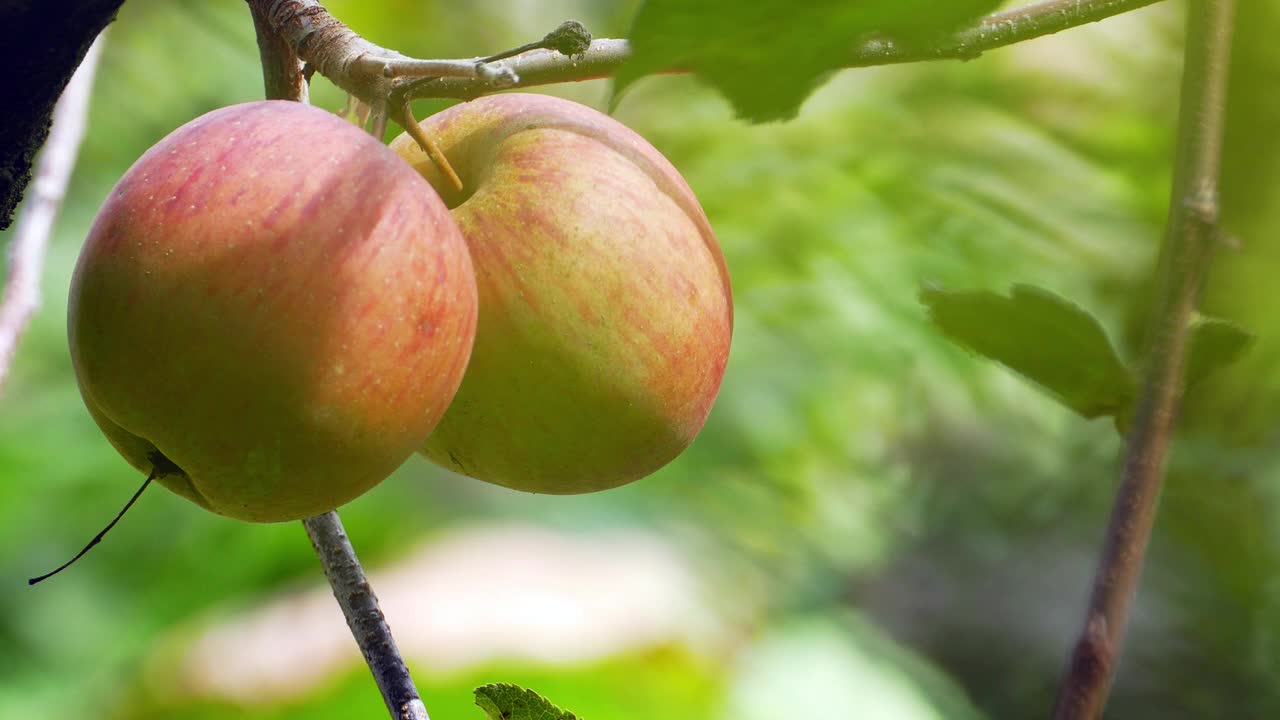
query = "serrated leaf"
x=503 y=701
x=767 y=56
x=1214 y=344
x=1048 y=340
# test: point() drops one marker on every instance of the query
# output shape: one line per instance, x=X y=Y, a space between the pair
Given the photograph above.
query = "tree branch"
x=381 y=78
x=304 y=26
x=283 y=78
x=373 y=73
x=1191 y=234
x=35 y=224
x=364 y=617
x=536 y=67
x=41 y=44
x=605 y=56
x=998 y=30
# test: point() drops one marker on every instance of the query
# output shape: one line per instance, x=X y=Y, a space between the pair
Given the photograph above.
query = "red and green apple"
x=605 y=307
x=275 y=308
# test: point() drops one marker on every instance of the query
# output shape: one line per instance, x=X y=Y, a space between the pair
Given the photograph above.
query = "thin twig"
x=386 y=80
x=405 y=67
x=536 y=67
x=603 y=58
x=570 y=38
x=1191 y=233
x=998 y=30
x=372 y=73
x=282 y=74
x=31 y=236
x=364 y=617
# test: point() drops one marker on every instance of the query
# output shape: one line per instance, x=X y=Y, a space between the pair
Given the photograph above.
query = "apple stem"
x=364 y=617
x=428 y=145
x=158 y=469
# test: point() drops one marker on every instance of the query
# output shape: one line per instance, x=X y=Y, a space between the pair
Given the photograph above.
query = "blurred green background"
x=874 y=523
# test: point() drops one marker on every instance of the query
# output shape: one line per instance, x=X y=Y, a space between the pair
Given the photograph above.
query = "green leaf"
x=767 y=56
x=502 y=701
x=1045 y=338
x=1214 y=344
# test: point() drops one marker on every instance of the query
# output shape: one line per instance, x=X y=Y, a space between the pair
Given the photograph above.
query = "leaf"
x=767 y=56
x=503 y=701
x=1214 y=344
x=1045 y=338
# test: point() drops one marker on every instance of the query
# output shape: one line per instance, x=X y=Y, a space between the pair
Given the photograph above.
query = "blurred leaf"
x=1045 y=338
x=767 y=56
x=1214 y=344
x=507 y=702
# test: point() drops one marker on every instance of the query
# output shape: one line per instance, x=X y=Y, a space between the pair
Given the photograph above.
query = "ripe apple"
x=275 y=308
x=605 y=311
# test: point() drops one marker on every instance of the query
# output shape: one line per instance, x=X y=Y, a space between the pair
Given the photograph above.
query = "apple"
x=605 y=309
x=273 y=309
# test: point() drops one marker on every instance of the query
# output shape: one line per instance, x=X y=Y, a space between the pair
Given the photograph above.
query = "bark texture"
x=41 y=44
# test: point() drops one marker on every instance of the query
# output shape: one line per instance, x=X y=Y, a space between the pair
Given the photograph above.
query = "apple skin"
x=605 y=307
x=277 y=304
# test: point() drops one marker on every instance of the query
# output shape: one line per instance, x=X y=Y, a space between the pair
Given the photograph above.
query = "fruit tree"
x=287 y=299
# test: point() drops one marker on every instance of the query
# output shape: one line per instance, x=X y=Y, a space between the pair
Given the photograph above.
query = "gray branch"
x=605 y=56
x=283 y=79
x=364 y=617
x=373 y=74
x=999 y=30
x=35 y=224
